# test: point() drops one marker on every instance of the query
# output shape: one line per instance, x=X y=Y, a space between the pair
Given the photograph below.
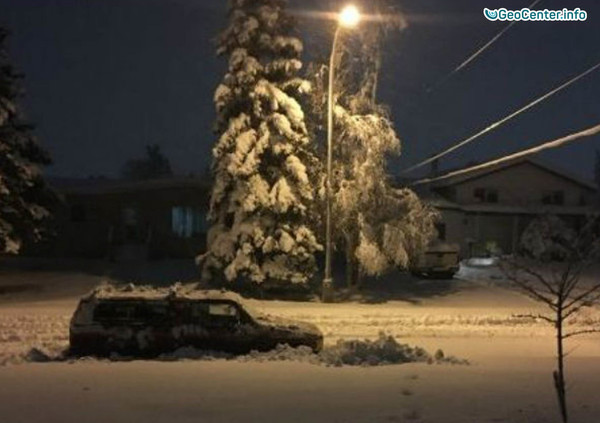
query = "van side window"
x=199 y=310
x=222 y=314
x=153 y=311
x=222 y=309
x=115 y=311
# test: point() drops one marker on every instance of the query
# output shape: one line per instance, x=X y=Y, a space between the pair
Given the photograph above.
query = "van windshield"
x=252 y=311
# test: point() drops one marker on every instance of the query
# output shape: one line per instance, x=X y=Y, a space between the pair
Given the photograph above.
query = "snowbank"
x=481 y=269
x=385 y=350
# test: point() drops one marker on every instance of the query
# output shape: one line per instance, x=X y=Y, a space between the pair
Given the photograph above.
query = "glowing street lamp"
x=349 y=17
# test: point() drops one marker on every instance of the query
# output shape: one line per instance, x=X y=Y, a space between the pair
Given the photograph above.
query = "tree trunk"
x=559 y=375
x=351 y=263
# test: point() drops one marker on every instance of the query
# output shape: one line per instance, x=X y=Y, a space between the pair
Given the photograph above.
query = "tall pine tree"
x=23 y=198
x=262 y=190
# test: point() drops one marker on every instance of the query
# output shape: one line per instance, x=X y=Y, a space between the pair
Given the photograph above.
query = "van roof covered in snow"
x=131 y=291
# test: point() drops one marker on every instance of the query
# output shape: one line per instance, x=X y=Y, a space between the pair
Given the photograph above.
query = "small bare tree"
x=548 y=267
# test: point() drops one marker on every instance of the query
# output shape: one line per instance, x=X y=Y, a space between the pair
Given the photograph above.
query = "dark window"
x=153 y=311
x=188 y=221
x=479 y=194
x=78 y=213
x=441 y=230
x=556 y=198
x=199 y=310
x=116 y=311
x=128 y=311
x=129 y=217
x=486 y=195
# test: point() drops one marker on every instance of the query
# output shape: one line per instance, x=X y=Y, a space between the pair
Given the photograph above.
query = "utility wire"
x=477 y=53
x=545 y=146
x=502 y=121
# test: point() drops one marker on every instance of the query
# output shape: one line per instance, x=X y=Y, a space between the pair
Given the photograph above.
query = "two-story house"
x=494 y=205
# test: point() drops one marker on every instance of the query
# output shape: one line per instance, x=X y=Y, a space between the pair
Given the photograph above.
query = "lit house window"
x=188 y=221
x=486 y=195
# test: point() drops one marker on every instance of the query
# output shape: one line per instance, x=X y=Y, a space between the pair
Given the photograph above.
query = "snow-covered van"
x=148 y=321
x=440 y=260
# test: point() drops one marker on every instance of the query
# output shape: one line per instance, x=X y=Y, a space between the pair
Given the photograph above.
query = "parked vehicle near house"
x=441 y=260
x=152 y=321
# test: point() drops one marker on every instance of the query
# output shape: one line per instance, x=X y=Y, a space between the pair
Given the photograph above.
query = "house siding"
x=102 y=230
x=473 y=224
x=523 y=185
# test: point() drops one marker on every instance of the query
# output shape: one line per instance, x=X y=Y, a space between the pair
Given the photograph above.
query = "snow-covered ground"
x=508 y=379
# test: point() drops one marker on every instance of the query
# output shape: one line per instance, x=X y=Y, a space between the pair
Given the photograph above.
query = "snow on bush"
x=381 y=351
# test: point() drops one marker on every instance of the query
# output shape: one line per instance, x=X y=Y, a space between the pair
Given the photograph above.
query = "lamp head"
x=349 y=17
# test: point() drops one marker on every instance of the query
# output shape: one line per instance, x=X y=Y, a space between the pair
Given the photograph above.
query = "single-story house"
x=128 y=220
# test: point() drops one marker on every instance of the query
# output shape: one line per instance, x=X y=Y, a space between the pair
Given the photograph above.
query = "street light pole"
x=327 y=293
x=349 y=17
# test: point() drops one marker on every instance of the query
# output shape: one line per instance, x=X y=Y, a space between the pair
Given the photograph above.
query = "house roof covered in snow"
x=459 y=179
x=100 y=185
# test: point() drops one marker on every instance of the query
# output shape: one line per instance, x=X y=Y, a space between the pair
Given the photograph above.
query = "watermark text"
x=527 y=14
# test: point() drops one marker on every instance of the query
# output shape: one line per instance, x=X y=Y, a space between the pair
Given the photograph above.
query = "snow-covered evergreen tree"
x=23 y=198
x=262 y=162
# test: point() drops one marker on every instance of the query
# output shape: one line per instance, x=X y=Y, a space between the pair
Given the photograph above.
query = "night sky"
x=104 y=78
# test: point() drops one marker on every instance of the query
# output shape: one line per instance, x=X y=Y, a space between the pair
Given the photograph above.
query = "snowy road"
x=509 y=379
x=513 y=391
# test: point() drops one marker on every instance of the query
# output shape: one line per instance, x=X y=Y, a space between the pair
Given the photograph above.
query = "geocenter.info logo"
x=526 y=14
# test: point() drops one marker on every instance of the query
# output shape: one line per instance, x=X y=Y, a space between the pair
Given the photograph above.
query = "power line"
x=545 y=146
x=477 y=53
x=502 y=121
